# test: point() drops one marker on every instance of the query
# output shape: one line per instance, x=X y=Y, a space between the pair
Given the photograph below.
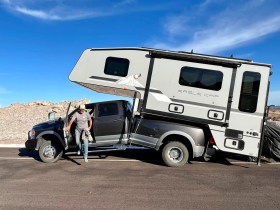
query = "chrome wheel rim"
x=175 y=154
x=49 y=152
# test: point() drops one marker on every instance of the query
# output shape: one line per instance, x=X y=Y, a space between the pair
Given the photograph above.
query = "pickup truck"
x=114 y=124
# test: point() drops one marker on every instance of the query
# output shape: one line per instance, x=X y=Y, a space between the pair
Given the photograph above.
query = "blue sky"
x=41 y=40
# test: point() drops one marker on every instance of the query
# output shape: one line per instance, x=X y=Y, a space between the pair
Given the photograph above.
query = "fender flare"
x=180 y=133
x=40 y=138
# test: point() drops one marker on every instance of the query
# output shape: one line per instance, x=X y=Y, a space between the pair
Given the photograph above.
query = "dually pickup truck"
x=114 y=124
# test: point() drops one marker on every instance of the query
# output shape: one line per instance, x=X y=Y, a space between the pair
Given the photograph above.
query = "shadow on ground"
x=29 y=153
x=136 y=153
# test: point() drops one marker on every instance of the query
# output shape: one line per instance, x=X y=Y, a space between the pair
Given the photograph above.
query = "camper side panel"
x=186 y=89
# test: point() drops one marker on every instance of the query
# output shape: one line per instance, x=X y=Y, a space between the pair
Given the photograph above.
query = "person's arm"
x=71 y=122
x=90 y=121
x=69 y=125
x=90 y=124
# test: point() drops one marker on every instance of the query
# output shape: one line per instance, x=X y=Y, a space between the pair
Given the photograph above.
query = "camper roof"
x=182 y=55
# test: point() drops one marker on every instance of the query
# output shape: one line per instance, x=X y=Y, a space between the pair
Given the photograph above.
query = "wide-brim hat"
x=82 y=107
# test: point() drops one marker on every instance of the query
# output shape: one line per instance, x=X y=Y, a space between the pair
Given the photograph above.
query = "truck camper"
x=188 y=99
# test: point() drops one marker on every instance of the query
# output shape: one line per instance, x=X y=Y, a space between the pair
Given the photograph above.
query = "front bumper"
x=31 y=144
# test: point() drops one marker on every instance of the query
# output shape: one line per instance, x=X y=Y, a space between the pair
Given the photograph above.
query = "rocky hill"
x=16 y=120
x=274 y=114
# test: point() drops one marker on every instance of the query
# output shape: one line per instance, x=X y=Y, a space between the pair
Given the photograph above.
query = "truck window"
x=129 y=108
x=249 y=92
x=201 y=78
x=116 y=66
x=107 y=109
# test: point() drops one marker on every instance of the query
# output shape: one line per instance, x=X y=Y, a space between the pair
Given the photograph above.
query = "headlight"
x=32 y=134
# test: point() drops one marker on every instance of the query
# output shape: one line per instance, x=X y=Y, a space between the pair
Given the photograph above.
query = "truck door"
x=66 y=134
x=109 y=123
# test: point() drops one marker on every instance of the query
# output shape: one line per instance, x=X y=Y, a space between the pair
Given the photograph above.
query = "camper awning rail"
x=195 y=58
x=189 y=56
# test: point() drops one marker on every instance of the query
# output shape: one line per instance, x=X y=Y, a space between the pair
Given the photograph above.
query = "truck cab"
x=111 y=122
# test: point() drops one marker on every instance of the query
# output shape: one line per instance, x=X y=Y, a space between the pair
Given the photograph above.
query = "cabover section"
x=114 y=71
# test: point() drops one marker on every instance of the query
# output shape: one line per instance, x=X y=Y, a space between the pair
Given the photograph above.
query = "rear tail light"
x=212 y=141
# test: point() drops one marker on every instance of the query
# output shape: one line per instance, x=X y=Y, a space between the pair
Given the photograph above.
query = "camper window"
x=249 y=92
x=116 y=66
x=201 y=78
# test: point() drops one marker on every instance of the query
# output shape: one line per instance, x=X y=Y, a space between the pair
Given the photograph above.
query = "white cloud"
x=125 y=2
x=176 y=25
x=52 y=9
x=219 y=39
x=63 y=10
x=36 y=13
x=211 y=31
x=55 y=15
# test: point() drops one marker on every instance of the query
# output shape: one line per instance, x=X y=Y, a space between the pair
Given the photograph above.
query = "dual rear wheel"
x=175 y=154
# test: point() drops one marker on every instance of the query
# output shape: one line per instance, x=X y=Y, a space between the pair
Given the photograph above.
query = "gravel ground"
x=18 y=119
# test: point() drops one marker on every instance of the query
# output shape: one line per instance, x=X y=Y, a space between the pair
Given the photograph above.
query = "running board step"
x=106 y=150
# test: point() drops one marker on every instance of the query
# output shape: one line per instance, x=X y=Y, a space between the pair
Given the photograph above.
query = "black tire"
x=175 y=154
x=50 y=152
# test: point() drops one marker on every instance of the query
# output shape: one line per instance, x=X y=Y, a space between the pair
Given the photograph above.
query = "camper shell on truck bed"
x=225 y=97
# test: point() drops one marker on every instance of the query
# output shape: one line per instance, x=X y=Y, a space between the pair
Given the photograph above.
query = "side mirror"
x=51 y=116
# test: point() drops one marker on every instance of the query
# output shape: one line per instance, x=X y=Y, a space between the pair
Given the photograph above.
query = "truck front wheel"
x=50 y=152
x=175 y=154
